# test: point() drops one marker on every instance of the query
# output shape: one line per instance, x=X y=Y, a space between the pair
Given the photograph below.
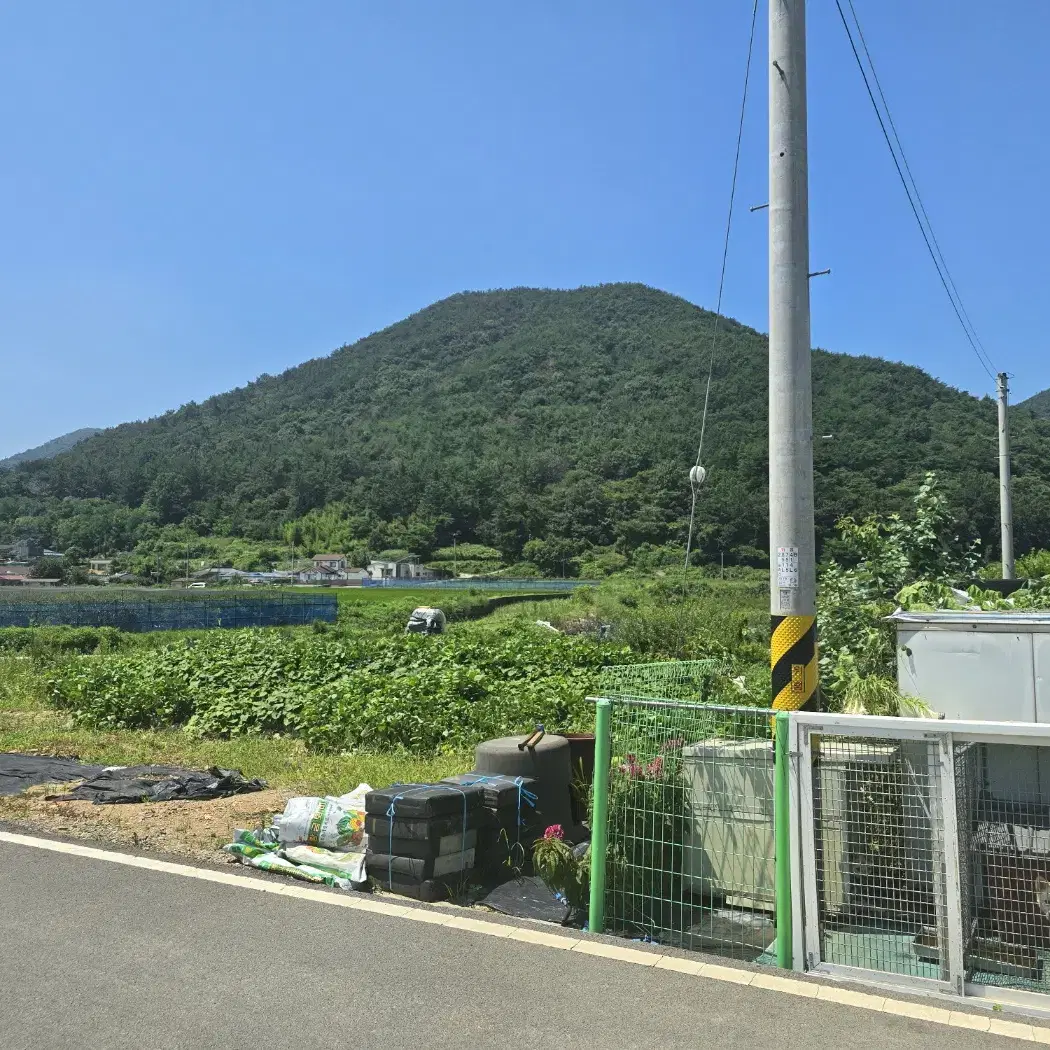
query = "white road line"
x=775 y=983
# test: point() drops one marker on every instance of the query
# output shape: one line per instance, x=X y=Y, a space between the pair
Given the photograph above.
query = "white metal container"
x=987 y=666
x=984 y=666
x=729 y=831
x=729 y=844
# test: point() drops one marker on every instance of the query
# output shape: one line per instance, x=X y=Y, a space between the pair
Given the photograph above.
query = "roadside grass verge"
x=21 y=686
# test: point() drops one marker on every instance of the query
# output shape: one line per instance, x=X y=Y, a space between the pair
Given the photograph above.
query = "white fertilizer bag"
x=330 y=823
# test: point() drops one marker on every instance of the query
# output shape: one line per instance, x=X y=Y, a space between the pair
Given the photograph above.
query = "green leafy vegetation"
x=362 y=685
x=562 y=869
x=27 y=725
x=474 y=559
x=672 y=618
x=877 y=558
x=1037 y=404
x=925 y=596
x=337 y=692
x=553 y=427
x=886 y=561
x=1033 y=564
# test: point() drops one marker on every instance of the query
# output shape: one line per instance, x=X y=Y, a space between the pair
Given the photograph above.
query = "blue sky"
x=193 y=194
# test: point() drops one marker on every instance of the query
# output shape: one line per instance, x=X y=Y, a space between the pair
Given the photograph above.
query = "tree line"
x=548 y=426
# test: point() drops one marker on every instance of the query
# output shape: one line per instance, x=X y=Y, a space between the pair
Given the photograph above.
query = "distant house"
x=14 y=576
x=324 y=576
x=408 y=567
x=26 y=551
x=334 y=562
x=100 y=567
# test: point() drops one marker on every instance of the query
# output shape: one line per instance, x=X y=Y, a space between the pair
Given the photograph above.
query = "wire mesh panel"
x=688 y=680
x=148 y=610
x=925 y=852
x=1003 y=798
x=691 y=840
x=879 y=855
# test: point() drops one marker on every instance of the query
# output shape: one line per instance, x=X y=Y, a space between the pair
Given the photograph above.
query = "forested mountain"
x=1038 y=404
x=506 y=416
x=49 y=449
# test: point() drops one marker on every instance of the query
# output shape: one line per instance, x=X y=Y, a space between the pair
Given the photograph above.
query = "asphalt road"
x=94 y=954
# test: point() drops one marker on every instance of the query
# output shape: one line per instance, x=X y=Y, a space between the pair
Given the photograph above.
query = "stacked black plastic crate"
x=422 y=838
x=510 y=819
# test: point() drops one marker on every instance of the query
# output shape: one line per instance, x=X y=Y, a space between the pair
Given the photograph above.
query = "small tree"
x=76 y=574
x=47 y=569
x=880 y=555
x=73 y=555
x=553 y=557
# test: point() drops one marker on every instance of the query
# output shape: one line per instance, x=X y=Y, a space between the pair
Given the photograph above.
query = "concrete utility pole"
x=1006 y=510
x=793 y=574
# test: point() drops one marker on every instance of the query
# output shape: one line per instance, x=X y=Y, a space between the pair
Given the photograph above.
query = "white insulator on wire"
x=697 y=476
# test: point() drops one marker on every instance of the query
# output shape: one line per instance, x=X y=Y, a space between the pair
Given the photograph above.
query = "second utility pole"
x=1006 y=511
x=792 y=544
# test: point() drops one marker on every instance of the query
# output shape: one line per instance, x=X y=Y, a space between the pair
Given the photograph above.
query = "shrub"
x=51 y=644
x=410 y=693
x=883 y=557
x=1032 y=564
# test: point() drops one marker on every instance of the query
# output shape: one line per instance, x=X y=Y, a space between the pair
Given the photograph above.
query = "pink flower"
x=674 y=744
x=655 y=768
x=631 y=767
x=555 y=831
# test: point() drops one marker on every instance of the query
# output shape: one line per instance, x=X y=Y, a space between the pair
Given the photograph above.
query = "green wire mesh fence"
x=688 y=680
x=690 y=857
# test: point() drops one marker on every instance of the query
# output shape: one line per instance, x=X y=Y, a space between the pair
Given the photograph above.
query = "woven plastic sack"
x=271 y=862
x=345 y=865
x=331 y=823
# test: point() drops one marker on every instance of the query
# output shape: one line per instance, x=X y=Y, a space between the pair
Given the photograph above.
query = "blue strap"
x=524 y=795
x=391 y=810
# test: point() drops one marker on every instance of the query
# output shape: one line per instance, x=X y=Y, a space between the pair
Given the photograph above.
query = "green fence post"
x=600 y=814
x=782 y=831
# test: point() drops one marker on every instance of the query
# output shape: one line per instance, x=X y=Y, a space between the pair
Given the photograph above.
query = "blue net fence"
x=163 y=610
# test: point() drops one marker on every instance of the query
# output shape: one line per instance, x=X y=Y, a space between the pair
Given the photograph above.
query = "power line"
x=911 y=178
x=694 y=483
x=900 y=162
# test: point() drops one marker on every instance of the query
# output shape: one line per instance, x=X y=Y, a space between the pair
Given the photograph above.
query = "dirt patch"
x=191 y=829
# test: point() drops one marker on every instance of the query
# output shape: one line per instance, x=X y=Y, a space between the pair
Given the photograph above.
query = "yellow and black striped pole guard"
x=793 y=658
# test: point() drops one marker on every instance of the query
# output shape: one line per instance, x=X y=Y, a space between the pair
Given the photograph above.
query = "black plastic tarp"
x=18 y=772
x=526 y=898
x=160 y=784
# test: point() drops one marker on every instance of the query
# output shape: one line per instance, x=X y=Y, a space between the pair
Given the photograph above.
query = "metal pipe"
x=600 y=814
x=782 y=841
x=1006 y=510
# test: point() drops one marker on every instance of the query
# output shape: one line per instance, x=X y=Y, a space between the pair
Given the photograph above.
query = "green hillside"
x=1037 y=404
x=506 y=416
x=49 y=449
